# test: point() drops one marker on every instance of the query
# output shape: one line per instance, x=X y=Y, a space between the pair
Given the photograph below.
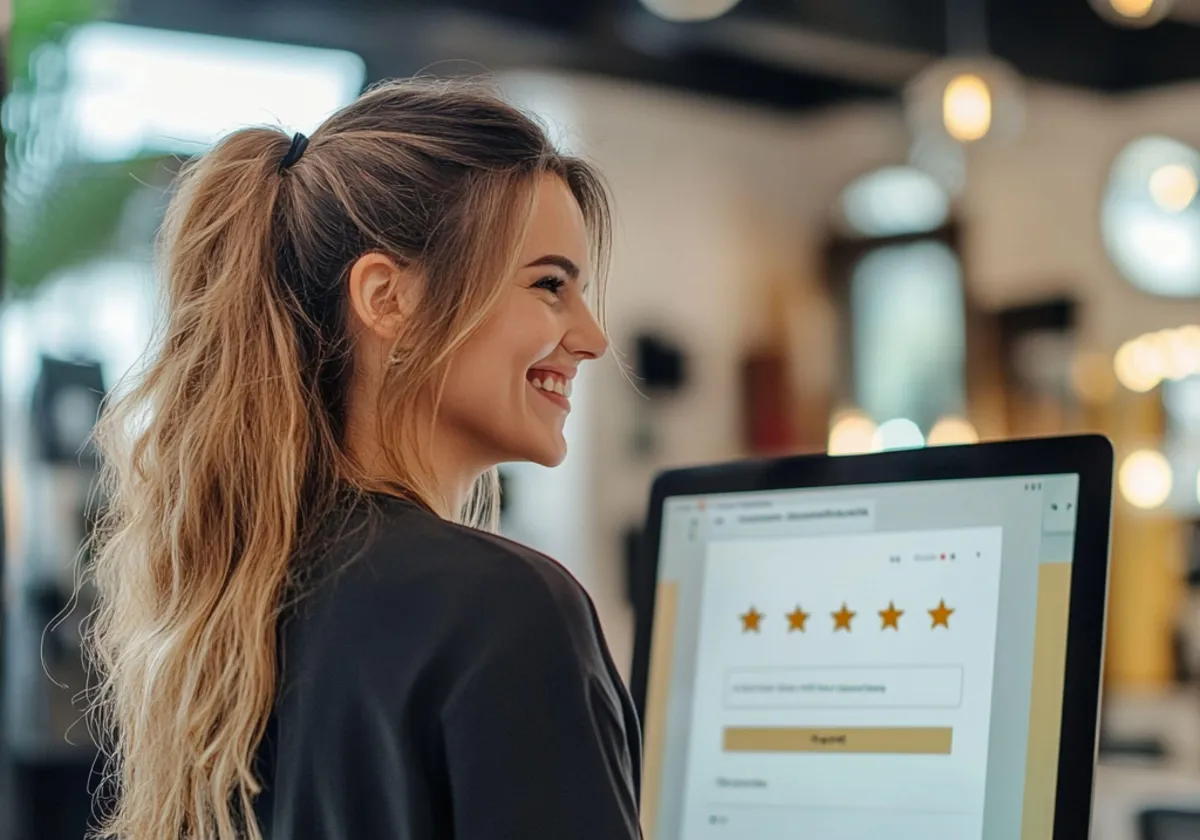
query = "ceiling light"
x=1132 y=8
x=966 y=100
x=967 y=108
x=1137 y=14
x=689 y=10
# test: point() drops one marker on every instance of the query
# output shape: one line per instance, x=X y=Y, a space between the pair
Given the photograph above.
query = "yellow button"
x=912 y=740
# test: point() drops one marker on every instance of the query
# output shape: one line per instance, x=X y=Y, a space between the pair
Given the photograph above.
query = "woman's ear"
x=382 y=294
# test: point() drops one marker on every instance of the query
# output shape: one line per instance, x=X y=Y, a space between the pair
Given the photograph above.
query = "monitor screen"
x=860 y=662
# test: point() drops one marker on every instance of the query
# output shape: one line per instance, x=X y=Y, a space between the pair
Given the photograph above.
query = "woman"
x=300 y=633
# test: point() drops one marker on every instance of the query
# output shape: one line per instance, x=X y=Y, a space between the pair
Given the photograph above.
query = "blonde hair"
x=225 y=456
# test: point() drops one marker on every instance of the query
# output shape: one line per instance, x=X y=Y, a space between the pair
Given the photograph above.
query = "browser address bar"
x=854 y=516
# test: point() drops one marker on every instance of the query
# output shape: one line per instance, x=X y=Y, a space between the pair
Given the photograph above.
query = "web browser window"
x=860 y=662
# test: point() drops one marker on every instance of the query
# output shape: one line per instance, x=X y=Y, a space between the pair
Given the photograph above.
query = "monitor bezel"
x=1088 y=456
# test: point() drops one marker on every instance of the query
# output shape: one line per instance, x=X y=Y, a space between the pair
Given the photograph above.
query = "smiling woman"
x=540 y=332
x=305 y=629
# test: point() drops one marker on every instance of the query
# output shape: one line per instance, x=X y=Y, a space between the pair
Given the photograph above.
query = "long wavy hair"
x=223 y=458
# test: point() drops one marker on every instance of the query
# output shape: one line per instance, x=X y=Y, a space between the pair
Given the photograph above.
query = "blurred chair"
x=1168 y=824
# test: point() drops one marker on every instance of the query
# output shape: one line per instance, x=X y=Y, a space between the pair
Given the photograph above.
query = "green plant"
x=37 y=23
x=60 y=211
x=75 y=220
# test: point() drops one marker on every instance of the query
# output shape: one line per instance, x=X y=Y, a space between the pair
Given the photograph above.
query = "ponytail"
x=204 y=509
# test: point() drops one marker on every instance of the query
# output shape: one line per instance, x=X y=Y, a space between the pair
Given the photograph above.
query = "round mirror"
x=1150 y=218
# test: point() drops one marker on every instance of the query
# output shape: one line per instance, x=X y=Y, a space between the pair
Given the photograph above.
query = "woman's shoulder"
x=406 y=542
x=402 y=568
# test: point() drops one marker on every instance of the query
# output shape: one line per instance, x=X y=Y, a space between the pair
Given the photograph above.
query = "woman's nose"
x=586 y=338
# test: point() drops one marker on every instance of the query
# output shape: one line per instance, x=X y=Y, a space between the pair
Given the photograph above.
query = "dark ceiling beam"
x=1070 y=44
x=790 y=54
x=1186 y=11
x=918 y=25
x=399 y=41
x=813 y=52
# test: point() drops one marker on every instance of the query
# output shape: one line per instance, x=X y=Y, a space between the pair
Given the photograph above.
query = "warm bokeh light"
x=967 y=108
x=1173 y=186
x=898 y=433
x=952 y=430
x=1179 y=350
x=852 y=433
x=1092 y=378
x=956 y=100
x=1145 y=479
x=1144 y=362
x=689 y=10
x=1138 y=365
x=1132 y=8
x=1186 y=345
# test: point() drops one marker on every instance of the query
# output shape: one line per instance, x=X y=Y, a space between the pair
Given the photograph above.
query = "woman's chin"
x=549 y=454
x=551 y=460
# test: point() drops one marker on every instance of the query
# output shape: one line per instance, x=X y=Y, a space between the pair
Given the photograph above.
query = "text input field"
x=892 y=687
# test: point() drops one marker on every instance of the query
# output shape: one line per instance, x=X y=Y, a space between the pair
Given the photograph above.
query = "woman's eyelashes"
x=552 y=284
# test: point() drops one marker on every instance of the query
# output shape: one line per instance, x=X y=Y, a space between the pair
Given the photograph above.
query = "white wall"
x=716 y=202
x=1033 y=208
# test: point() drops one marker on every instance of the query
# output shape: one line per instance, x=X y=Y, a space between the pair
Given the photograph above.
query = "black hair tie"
x=299 y=144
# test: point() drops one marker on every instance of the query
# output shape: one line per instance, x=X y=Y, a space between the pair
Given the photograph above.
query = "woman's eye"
x=551 y=284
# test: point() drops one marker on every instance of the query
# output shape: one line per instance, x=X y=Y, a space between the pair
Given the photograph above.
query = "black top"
x=438 y=682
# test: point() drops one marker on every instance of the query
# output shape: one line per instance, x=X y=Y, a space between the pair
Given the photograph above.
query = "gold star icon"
x=841 y=618
x=941 y=615
x=751 y=620
x=891 y=617
x=796 y=619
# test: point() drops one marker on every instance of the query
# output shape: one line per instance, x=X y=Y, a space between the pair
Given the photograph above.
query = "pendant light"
x=1133 y=14
x=970 y=97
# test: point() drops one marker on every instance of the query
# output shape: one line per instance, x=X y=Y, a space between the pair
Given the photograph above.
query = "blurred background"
x=851 y=226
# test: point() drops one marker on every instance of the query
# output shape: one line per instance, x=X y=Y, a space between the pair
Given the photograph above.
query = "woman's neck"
x=451 y=475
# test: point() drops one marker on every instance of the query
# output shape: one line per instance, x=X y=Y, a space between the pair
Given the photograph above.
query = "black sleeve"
x=536 y=747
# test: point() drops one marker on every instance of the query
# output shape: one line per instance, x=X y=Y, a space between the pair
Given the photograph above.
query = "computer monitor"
x=904 y=645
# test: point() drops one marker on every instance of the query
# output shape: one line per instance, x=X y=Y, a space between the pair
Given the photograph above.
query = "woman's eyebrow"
x=558 y=261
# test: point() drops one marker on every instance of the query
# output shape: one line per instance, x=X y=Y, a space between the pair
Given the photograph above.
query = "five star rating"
x=844 y=618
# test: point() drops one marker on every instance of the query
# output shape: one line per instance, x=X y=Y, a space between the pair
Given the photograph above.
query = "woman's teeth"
x=553 y=384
